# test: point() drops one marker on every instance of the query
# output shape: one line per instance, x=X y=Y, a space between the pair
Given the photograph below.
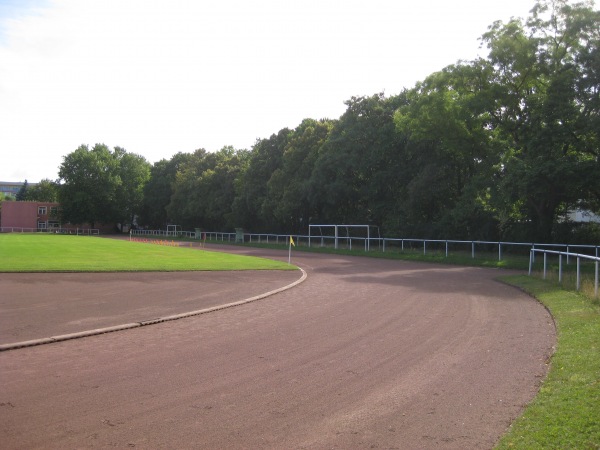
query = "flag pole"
x=290 y=249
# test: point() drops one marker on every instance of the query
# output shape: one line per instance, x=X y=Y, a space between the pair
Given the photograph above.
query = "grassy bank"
x=566 y=412
x=59 y=253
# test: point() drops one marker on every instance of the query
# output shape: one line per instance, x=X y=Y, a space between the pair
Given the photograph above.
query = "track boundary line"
x=143 y=323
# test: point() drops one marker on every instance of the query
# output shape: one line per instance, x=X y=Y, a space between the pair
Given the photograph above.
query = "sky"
x=160 y=77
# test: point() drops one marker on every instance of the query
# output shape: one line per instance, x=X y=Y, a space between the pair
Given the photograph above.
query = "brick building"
x=35 y=215
x=12 y=188
x=38 y=216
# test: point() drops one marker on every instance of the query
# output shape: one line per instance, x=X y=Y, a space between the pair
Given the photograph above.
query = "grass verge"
x=566 y=411
x=59 y=253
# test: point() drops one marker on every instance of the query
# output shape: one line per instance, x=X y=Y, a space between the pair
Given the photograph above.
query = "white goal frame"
x=173 y=229
x=336 y=236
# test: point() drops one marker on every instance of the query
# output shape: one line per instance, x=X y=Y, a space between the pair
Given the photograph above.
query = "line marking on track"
x=128 y=326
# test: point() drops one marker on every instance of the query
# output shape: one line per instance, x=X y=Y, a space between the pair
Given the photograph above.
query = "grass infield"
x=59 y=253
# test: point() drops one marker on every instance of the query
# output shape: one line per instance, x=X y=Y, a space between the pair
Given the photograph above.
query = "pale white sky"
x=159 y=77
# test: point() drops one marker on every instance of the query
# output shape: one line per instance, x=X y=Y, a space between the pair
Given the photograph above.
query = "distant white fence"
x=78 y=231
x=163 y=233
x=381 y=244
x=578 y=256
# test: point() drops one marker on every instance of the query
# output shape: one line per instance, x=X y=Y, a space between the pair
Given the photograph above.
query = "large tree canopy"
x=542 y=83
x=449 y=151
x=44 y=191
x=500 y=147
x=158 y=190
x=203 y=191
x=101 y=186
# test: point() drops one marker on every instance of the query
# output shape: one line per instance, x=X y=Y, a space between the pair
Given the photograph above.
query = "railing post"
x=530 y=259
x=560 y=268
x=578 y=274
x=473 y=249
x=596 y=281
x=545 y=258
x=383 y=245
x=446 y=249
x=424 y=251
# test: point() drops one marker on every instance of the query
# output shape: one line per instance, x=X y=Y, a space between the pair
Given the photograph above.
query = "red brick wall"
x=19 y=214
x=25 y=215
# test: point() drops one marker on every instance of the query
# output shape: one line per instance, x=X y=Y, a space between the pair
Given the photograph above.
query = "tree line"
x=497 y=148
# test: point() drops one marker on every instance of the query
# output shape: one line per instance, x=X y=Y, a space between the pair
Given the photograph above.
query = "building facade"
x=12 y=188
x=39 y=216
x=30 y=215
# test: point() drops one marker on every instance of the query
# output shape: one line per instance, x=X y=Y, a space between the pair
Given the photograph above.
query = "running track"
x=365 y=353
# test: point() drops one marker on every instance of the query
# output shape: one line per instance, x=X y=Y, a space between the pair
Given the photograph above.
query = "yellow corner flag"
x=290 y=249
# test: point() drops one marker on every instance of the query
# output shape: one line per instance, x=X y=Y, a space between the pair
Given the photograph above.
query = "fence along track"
x=579 y=257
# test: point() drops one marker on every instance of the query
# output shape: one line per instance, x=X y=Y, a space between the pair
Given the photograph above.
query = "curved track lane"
x=366 y=353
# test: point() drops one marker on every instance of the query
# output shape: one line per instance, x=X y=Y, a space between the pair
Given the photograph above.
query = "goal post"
x=173 y=230
x=312 y=228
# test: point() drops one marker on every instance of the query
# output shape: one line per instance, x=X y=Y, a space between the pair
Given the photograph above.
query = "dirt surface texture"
x=365 y=353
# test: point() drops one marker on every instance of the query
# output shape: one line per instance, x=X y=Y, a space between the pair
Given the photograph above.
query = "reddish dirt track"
x=366 y=353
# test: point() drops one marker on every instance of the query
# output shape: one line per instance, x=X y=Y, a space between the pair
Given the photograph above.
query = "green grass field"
x=59 y=253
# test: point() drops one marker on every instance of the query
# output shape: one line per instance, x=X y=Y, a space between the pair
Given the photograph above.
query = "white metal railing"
x=383 y=244
x=579 y=257
x=78 y=231
x=186 y=234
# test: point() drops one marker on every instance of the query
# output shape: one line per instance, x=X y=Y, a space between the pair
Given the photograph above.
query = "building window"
x=41 y=225
x=41 y=210
x=53 y=224
x=53 y=211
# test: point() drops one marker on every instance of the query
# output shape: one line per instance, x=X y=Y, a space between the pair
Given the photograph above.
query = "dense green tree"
x=204 y=189
x=499 y=147
x=545 y=106
x=250 y=209
x=44 y=191
x=159 y=189
x=184 y=206
x=290 y=198
x=93 y=185
x=134 y=172
x=89 y=183
x=450 y=151
x=6 y=198
x=358 y=175
x=22 y=194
